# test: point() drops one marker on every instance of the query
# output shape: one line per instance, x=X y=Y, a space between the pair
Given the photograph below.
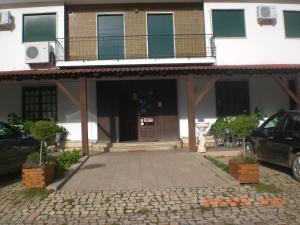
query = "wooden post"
x=284 y=86
x=297 y=80
x=191 y=110
x=84 y=116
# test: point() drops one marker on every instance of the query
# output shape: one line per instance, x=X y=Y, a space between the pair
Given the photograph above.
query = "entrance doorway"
x=137 y=111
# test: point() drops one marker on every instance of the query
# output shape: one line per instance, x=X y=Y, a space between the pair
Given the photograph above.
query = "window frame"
x=38 y=14
x=39 y=89
x=97 y=32
x=284 y=23
x=174 y=29
x=230 y=37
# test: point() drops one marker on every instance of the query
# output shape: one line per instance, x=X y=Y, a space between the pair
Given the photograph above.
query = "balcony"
x=134 y=50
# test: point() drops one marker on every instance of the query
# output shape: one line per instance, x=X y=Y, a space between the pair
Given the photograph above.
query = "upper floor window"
x=111 y=36
x=39 y=27
x=160 y=35
x=228 y=23
x=292 y=24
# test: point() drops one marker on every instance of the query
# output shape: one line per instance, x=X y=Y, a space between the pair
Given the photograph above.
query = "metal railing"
x=135 y=47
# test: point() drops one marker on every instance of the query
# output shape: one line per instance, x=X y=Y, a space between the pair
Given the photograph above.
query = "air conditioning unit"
x=5 y=19
x=38 y=52
x=266 y=13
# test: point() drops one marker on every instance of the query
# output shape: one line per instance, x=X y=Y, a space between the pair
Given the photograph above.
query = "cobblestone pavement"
x=160 y=206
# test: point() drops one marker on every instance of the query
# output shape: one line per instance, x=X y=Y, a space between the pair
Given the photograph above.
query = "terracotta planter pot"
x=245 y=173
x=38 y=177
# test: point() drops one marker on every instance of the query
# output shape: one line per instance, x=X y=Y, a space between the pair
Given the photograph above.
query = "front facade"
x=136 y=68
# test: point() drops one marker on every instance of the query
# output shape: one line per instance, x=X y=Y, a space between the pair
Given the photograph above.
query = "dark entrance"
x=137 y=110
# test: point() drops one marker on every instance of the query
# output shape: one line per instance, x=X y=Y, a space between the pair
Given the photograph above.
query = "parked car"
x=14 y=149
x=277 y=141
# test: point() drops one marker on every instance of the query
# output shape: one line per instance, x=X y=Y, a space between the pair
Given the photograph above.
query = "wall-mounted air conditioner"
x=266 y=13
x=37 y=52
x=5 y=19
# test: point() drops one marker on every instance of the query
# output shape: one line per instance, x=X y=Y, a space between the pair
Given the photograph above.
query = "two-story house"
x=117 y=72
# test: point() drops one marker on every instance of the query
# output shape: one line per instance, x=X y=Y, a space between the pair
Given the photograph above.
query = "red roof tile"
x=141 y=69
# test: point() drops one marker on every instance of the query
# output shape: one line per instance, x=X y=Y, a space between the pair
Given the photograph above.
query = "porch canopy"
x=280 y=73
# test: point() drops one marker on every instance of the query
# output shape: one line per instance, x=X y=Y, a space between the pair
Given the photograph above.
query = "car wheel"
x=296 y=167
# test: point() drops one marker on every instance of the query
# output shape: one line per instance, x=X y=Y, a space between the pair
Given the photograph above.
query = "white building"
x=136 y=60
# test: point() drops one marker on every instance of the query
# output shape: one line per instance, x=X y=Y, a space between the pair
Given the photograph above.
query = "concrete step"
x=136 y=146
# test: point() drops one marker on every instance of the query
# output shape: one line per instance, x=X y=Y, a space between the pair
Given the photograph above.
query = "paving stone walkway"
x=158 y=206
x=146 y=170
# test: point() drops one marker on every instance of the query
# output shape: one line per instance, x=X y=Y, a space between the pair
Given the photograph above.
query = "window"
x=292 y=123
x=228 y=23
x=111 y=37
x=292 y=24
x=7 y=133
x=160 y=36
x=39 y=103
x=232 y=98
x=273 y=123
x=39 y=27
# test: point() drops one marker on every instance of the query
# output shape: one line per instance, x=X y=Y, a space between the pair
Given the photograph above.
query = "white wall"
x=68 y=115
x=264 y=94
x=263 y=44
x=11 y=46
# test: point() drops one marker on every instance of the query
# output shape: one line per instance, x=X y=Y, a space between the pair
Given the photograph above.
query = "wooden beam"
x=283 y=85
x=63 y=89
x=297 y=80
x=205 y=91
x=84 y=116
x=191 y=111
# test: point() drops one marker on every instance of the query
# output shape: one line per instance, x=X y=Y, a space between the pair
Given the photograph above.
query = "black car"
x=277 y=141
x=14 y=149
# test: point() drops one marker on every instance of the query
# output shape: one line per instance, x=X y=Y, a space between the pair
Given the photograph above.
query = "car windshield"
x=273 y=123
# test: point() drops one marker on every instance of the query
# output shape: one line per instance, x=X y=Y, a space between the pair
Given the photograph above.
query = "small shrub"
x=247 y=159
x=67 y=159
x=44 y=130
x=243 y=125
x=24 y=127
x=33 y=160
x=219 y=126
x=144 y=211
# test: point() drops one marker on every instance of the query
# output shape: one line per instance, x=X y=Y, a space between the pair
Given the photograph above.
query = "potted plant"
x=244 y=168
x=61 y=134
x=38 y=171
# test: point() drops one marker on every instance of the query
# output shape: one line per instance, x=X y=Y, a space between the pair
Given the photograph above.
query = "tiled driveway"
x=146 y=170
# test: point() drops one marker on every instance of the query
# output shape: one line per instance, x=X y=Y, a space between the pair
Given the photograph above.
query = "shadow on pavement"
x=277 y=167
x=10 y=178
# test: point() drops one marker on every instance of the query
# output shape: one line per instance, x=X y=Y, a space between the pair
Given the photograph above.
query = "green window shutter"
x=111 y=37
x=160 y=36
x=228 y=23
x=39 y=27
x=292 y=23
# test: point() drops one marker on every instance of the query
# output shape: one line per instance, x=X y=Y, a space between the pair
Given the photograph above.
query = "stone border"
x=58 y=184
x=231 y=181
